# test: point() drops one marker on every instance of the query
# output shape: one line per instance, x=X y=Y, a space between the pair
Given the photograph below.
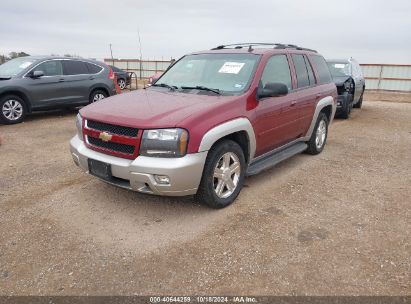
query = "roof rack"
x=251 y=44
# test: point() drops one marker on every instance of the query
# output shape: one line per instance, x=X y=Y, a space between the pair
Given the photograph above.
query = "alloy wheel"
x=122 y=84
x=226 y=175
x=320 y=134
x=98 y=96
x=12 y=109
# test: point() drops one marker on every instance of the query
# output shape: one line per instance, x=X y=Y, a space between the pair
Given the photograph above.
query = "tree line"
x=12 y=55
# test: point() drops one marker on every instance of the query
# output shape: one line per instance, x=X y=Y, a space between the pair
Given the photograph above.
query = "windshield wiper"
x=165 y=85
x=217 y=91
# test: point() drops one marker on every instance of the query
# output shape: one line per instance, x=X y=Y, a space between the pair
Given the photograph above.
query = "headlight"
x=79 y=125
x=164 y=143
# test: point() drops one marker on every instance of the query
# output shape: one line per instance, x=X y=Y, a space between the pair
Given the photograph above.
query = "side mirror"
x=273 y=89
x=37 y=74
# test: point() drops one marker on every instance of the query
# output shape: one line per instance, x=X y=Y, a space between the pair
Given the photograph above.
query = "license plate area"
x=99 y=169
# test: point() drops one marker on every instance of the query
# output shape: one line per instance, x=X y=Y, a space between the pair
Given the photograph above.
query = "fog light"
x=162 y=179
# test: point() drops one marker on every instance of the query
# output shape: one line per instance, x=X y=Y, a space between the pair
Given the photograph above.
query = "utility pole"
x=111 y=52
x=141 y=54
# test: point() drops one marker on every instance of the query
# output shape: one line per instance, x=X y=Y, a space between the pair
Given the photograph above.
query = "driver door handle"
x=293 y=103
x=61 y=79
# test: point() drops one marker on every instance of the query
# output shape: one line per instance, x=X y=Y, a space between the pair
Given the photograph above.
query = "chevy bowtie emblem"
x=104 y=136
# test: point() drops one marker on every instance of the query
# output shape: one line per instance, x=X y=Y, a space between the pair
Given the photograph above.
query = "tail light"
x=113 y=77
x=111 y=74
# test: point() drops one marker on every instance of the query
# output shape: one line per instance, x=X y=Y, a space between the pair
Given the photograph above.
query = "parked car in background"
x=211 y=119
x=123 y=78
x=152 y=79
x=43 y=82
x=350 y=83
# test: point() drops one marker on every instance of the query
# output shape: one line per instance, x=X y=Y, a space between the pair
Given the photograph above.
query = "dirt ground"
x=334 y=224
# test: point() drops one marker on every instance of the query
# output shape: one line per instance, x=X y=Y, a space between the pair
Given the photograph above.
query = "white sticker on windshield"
x=231 y=67
x=25 y=65
x=339 y=65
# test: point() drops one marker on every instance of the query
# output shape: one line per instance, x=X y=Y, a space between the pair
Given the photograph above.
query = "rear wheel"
x=319 y=136
x=97 y=95
x=13 y=109
x=121 y=83
x=223 y=175
x=358 y=105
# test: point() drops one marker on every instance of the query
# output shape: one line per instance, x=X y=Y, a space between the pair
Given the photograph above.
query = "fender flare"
x=227 y=128
x=321 y=104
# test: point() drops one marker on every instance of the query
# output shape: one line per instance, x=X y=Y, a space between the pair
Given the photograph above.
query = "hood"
x=151 y=108
x=339 y=80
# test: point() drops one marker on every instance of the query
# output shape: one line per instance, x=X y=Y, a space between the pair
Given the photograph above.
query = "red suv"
x=212 y=119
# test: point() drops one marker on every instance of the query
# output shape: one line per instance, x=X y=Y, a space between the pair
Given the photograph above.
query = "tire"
x=13 y=109
x=315 y=147
x=358 y=105
x=346 y=111
x=214 y=191
x=97 y=95
x=122 y=83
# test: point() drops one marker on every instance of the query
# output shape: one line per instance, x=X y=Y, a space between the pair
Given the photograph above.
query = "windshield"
x=15 y=66
x=339 y=69
x=228 y=74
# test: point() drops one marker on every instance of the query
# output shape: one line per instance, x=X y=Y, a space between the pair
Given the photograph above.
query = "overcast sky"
x=372 y=31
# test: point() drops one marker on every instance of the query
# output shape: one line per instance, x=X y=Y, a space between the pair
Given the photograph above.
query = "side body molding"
x=326 y=101
x=227 y=128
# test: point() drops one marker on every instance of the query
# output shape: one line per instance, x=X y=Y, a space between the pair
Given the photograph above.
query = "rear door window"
x=50 y=68
x=74 y=67
x=300 y=68
x=277 y=69
x=324 y=75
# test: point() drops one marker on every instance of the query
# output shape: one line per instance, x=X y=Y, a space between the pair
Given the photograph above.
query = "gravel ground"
x=334 y=224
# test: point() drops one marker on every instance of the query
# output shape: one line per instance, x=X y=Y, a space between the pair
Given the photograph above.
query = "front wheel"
x=223 y=175
x=13 y=109
x=319 y=136
x=346 y=104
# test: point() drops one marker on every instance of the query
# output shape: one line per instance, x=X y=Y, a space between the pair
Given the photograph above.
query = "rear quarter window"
x=93 y=68
x=324 y=75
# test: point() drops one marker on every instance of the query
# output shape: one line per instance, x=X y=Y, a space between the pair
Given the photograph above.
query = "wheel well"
x=328 y=111
x=240 y=138
x=21 y=95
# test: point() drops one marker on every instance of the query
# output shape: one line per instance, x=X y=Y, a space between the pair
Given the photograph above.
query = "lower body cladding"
x=152 y=175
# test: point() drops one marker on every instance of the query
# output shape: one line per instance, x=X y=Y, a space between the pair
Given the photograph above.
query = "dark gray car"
x=123 y=78
x=41 y=83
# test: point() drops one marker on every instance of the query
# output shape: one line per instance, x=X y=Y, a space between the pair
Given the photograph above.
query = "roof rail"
x=251 y=44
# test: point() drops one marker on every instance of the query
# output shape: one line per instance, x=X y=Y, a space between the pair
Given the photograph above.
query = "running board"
x=275 y=158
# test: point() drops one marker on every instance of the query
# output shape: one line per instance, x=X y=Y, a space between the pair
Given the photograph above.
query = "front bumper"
x=138 y=175
x=342 y=100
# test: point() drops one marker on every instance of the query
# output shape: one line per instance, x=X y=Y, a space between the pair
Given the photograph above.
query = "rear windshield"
x=229 y=73
x=339 y=68
x=323 y=71
x=15 y=66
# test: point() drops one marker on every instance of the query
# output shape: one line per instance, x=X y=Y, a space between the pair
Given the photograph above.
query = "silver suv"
x=350 y=83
